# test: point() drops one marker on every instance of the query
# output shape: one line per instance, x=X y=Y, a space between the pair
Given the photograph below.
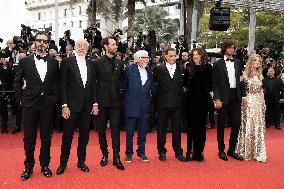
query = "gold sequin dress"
x=251 y=139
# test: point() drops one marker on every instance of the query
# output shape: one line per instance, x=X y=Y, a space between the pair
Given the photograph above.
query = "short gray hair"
x=140 y=54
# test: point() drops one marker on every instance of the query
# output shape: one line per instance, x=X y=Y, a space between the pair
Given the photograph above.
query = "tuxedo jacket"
x=109 y=73
x=220 y=81
x=72 y=90
x=36 y=89
x=273 y=89
x=169 y=90
x=137 y=96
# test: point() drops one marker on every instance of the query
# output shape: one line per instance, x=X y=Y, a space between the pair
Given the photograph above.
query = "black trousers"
x=232 y=111
x=163 y=120
x=113 y=114
x=58 y=119
x=196 y=133
x=273 y=112
x=16 y=109
x=80 y=120
x=40 y=114
x=4 y=111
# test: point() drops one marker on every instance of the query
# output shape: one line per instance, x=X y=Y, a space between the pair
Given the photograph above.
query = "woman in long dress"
x=251 y=138
x=198 y=82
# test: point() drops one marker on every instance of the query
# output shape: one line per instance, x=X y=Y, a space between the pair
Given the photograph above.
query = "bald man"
x=78 y=98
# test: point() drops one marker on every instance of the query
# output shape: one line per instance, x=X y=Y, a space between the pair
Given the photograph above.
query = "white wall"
x=13 y=13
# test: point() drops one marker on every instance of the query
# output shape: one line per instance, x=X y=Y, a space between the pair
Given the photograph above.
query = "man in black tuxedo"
x=169 y=77
x=38 y=100
x=78 y=98
x=109 y=72
x=228 y=98
x=274 y=96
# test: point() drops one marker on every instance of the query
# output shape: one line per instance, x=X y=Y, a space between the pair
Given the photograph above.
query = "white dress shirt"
x=41 y=67
x=231 y=73
x=81 y=61
x=143 y=74
x=171 y=68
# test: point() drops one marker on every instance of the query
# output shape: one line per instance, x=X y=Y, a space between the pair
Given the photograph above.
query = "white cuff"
x=64 y=105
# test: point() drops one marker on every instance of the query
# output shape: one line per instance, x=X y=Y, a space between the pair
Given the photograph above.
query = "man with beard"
x=109 y=73
x=38 y=99
x=169 y=80
x=78 y=96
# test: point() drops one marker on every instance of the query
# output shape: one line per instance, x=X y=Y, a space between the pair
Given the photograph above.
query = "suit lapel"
x=224 y=67
x=236 y=66
x=33 y=65
x=89 y=74
x=167 y=72
x=77 y=70
x=47 y=70
x=176 y=72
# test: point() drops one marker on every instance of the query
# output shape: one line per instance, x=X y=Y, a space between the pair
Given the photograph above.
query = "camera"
x=26 y=35
x=93 y=37
x=88 y=34
x=19 y=43
x=117 y=32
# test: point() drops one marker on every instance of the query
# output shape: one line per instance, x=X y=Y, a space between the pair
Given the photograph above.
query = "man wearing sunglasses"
x=37 y=100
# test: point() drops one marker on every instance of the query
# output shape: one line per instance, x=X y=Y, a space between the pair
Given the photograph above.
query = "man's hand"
x=65 y=112
x=244 y=101
x=281 y=100
x=218 y=104
x=95 y=110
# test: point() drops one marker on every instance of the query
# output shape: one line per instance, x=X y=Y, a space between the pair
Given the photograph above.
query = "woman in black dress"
x=198 y=86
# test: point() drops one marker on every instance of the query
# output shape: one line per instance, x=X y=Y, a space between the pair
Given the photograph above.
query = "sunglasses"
x=42 y=40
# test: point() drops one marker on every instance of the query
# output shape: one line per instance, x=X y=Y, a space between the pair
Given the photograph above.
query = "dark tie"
x=230 y=59
x=43 y=58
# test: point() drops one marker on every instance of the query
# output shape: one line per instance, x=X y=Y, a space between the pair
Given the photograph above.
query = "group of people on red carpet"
x=85 y=87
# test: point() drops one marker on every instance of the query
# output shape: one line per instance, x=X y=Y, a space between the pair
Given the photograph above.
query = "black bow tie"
x=230 y=59
x=43 y=58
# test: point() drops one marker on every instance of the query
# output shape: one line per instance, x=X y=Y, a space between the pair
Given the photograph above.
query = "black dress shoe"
x=104 y=161
x=16 y=130
x=223 y=156
x=4 y=131
x=235 y=156
x=188 y=158
x=60 y=170
x=162 y=157
x=278 y=127
x=117 y=163
x=198 y=158
x=46 y=172
x=83 y=167
x=26 y=174
x=181 y=158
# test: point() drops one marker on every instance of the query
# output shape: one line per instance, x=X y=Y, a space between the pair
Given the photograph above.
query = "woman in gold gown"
x=251 y=139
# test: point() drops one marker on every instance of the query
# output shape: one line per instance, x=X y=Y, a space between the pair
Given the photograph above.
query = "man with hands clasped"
x=228 y=95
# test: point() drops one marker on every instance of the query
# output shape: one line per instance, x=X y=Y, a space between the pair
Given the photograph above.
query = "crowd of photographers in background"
x=19 y=47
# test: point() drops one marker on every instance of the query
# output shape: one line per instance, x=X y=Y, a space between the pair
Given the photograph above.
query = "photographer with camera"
x=6 y=82
x=93 y=37
x=66 y=40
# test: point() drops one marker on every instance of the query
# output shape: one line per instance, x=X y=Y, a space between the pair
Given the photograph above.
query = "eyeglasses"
x=42 y=40
x=144 y=57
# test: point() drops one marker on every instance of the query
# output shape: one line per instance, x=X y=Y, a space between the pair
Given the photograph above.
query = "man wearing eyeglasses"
x=37 y=100
x=139 y=83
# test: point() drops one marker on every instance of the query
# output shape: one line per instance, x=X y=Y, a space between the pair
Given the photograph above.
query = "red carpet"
x=212 y=173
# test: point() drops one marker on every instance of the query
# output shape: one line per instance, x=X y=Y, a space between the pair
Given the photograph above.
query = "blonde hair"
x=249 y=65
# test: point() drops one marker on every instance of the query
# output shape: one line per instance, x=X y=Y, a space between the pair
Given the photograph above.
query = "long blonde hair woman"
x=251 y=142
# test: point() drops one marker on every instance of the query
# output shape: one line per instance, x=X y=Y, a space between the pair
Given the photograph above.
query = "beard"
x=41 y=48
